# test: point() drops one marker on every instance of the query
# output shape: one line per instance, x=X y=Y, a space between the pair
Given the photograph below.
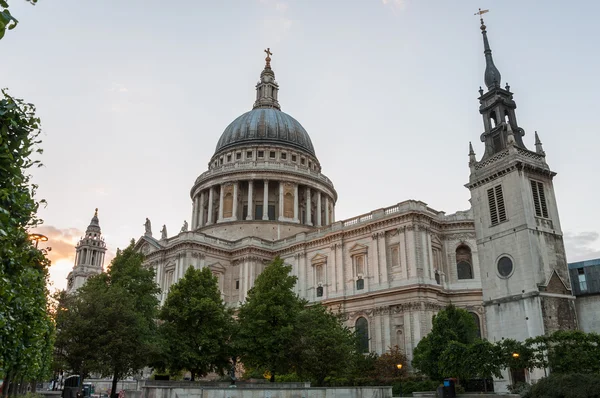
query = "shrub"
x=521 y=388
x=573 y=385
x=408 y=386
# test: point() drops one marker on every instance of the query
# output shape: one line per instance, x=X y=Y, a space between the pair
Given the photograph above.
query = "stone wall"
x=588 y=314
x=265 y=392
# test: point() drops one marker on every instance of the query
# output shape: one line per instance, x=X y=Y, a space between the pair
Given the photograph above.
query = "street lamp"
x=399 y=367
x=38 y=238
x=515 y=355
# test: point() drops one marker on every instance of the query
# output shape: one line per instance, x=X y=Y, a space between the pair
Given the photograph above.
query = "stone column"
x=429 y=254
x=383 y=270
x=201 y=211
x=250 y=214
x=221 y=203
x=296 y=206
x=280 y=201
x=403 y=254
x=194 y=212
x=211 y=198
x=265 y=215
x=308 y=207
x=235 y=202
x=318 y=208
x=332 y=211
x=327 y=221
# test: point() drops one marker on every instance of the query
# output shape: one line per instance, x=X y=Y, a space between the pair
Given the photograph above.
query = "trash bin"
x=449 y=390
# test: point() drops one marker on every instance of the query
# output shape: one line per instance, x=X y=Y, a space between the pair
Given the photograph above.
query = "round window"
x=505 y=266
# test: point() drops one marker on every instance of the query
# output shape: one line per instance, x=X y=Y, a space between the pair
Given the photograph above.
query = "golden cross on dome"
x=268 y=59
x=96 y=212
x=480 y=13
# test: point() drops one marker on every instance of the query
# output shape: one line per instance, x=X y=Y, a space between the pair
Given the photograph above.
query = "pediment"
x=555 y=284
x=318 y=259
x=217 y=267
x=358 y=249
x=147 y=245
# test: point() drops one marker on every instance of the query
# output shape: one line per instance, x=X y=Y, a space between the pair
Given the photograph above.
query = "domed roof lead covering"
x=265 y=126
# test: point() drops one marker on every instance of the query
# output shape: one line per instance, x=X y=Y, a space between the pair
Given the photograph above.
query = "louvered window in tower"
x=539 y=199
x=496 y=203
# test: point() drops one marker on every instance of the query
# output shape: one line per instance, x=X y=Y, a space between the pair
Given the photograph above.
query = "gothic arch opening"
x=464 y=262
x=362 y=330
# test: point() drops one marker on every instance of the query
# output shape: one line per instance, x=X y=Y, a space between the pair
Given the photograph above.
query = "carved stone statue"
x=163 y=232
x=148 y=227
x=185 y=226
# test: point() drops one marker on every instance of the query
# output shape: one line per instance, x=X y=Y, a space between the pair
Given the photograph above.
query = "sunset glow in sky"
x=134 y=95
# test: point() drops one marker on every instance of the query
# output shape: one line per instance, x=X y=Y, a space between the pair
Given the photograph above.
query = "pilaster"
x=250 y=214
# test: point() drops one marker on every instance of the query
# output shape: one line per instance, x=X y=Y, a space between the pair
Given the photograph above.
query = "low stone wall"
x=432 y=394
x=102 y=386
x=265 y=392
x=222 y=384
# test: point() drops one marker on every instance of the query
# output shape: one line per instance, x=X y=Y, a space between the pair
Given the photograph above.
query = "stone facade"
x=391 y=270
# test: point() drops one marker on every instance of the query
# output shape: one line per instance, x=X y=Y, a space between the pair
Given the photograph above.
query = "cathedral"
x=389 y=271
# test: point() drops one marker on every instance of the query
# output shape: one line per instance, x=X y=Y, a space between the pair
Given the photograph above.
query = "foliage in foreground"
x=196 y=330
x=108 y=325
x=453 y=329
x=278 y=334
x=7 y=21
x=26 y=331
x=573 y=385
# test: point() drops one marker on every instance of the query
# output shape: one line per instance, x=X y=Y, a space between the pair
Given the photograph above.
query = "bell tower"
x=89 y=256
x=525 y=279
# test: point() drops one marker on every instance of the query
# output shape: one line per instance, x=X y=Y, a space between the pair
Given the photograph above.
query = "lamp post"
x=38 y=238
x=399 y=367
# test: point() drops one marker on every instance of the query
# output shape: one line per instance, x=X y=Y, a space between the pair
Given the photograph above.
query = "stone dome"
x=265 y=126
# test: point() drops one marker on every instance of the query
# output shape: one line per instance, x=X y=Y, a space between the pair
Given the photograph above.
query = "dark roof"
x=265 y=126
x=587 y=263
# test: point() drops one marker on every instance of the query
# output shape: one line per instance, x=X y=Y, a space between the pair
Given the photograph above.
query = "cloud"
x=62 y=255
x=118 y=88
x=277 y=23
x=395 y=5
x=582 y=246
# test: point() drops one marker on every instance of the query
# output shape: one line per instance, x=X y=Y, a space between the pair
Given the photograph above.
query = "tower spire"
x=267 y=88
x=492 y=75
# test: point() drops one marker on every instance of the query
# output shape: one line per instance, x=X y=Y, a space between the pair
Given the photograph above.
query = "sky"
x=134 y=95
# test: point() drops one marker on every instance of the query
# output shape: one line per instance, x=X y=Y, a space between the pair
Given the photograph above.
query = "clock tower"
x=89 y=256
x=524 y=274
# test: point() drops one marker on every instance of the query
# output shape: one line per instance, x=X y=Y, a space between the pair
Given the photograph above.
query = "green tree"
x=386 y=365
x=485 y=360
x=454 y=361
x=267 y=320
x=195 y=334
x=450 y=324
x=25 y=327
x=108 y=325
x=324 y=346
x=129 y=336
x=7 y=21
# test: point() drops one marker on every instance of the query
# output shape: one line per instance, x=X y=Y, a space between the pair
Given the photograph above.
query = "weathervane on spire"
x=268 y=59
x=480 y=13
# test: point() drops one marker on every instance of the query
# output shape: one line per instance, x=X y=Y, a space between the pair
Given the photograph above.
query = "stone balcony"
x=266 y=166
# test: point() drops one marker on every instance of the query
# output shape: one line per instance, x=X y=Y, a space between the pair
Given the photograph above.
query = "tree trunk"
x=114 y=384
x=34 y=387
x=272 y=379
x=5 y=385
x=193 y=375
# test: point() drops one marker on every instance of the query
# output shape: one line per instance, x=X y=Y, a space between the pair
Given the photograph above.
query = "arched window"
x=493 y=121
x=320 y=291
x=477 y=322
x=464 y=262
x=362 y=330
